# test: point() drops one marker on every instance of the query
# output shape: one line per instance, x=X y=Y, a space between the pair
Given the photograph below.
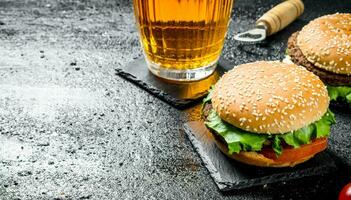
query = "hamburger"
x=269 y=114
x=323 y=46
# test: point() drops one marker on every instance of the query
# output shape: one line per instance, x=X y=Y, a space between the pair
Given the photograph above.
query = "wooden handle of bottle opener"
x=281 y=15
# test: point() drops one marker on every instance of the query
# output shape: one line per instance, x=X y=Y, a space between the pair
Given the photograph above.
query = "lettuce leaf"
x=277 y=148
x=323 y=125
x=299 y=137
x=241 y=140
x=236 y=138
x=208 y=98
x=340 y=92
x=286 y=52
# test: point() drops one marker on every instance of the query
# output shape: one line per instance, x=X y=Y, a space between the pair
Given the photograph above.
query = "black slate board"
x=182 y=95
x=230 y=175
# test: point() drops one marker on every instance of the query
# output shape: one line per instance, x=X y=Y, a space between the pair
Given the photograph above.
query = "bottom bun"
x=256 y=159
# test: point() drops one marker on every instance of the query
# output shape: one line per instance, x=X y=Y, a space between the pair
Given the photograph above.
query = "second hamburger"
x=324 y=47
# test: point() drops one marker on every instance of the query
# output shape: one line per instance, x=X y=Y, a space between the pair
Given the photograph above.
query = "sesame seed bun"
x=257 y=159
x=270 y=97
x=326 y=42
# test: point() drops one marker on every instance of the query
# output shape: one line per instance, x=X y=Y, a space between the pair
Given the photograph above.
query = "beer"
x=181 y=36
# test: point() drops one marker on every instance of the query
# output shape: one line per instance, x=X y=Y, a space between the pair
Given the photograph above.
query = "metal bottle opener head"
x=258 y=34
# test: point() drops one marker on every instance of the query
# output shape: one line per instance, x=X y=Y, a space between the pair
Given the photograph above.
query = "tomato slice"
x=291 y=154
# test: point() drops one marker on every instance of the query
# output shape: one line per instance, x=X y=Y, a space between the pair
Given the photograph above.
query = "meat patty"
x=206 y=110
x=327 y=77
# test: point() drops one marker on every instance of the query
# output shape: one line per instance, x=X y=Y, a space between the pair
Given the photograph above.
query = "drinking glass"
x=182 y=39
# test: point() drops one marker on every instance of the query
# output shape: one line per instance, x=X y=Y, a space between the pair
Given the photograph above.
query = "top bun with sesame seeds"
x=270 y=97
x=326 y=42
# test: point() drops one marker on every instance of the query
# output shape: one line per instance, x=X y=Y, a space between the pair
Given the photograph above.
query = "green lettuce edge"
x=339 y=92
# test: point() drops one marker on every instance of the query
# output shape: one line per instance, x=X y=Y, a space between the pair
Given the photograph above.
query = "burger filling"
x=342 y=93
x=240 y=140
x=338 y=85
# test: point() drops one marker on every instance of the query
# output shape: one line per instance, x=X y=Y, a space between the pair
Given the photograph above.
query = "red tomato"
x=290 y=154
x=345 y=193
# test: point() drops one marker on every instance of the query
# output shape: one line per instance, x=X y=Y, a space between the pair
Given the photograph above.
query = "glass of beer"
x=182 y=39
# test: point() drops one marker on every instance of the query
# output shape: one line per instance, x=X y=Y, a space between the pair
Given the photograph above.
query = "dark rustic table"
x=71 y=129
